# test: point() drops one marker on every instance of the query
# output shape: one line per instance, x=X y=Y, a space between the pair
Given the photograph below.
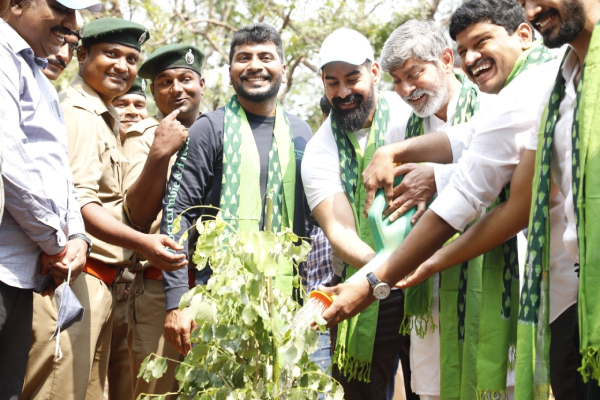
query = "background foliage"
x=303 y=24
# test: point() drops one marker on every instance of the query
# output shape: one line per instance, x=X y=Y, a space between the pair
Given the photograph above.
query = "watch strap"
x=83 y=237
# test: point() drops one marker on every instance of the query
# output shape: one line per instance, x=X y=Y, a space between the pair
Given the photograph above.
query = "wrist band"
x=59 y=255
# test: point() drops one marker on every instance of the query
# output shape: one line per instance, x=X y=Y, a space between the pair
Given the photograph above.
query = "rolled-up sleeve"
x=488 y=163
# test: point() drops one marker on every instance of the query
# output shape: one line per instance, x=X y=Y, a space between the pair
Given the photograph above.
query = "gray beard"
x=437 y=97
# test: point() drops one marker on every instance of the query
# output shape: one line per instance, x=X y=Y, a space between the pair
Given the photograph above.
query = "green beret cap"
x=172 y=56
x=114 y=30
x=139 y=87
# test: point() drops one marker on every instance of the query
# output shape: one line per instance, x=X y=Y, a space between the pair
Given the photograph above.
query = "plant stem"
x=274 y=349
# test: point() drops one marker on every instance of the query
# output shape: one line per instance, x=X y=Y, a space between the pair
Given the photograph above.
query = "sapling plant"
x=245 y=345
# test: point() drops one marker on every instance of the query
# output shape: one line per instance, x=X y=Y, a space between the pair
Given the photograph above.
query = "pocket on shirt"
x=114 y=177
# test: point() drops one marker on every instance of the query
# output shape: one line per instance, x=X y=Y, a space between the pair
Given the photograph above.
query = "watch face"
x=381 y=291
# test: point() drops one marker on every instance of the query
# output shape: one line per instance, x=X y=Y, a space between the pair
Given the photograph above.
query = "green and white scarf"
x=500 y=279
x=533 y=366
x=356 y=336
x=417 y=303
x=460 y=298
x=240 y=191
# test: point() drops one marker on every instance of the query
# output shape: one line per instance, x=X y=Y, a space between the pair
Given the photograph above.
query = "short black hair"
x=506 y=13
x=325 y=105
x=256 y=34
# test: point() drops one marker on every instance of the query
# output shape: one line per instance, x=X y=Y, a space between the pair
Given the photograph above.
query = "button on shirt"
x=97 y=161
x=41 y=203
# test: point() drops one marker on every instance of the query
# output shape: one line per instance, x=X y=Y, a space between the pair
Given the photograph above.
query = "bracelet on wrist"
x=59 y=255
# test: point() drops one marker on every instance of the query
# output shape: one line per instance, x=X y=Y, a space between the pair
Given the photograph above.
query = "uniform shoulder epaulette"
x=141 y=127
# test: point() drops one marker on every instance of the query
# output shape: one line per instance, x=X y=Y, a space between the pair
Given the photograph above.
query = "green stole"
x=356 y=336
x=460 y=298
x=533 y=366
x=240 y=192
x=500 y=279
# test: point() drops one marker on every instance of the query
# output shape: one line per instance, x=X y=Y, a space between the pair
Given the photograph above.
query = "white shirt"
x=499 y=135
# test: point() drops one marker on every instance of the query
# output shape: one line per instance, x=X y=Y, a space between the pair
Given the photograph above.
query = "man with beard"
x=177 y=86
x=108 y=65
x=131 y=107
x=203 y=175
x=361 y=119
x=418 y=57
x=496 y=57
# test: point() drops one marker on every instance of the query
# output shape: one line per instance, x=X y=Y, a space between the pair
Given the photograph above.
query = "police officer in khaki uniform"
x=177 y=84
x=107 y=68
x=131 y=108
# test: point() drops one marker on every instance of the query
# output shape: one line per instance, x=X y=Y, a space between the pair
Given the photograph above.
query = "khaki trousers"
x=146 y=335
x=119 y=373
x=81 y=373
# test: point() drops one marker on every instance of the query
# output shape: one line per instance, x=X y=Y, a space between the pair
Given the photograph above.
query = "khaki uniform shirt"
x=97 y=161
x=136 y=149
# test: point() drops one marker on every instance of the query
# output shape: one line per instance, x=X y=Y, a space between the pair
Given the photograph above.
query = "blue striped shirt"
x=41 y=208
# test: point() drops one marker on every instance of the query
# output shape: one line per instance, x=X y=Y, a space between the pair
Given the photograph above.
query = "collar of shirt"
x=570 y=70
x=20 y=46
x=95 y=104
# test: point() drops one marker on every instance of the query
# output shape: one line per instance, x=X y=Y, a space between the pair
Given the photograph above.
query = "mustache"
x=64 y=31
x=470 y=68
x=256 y=75
x=57 y=61
x=336 y=101
x=543 y=16
x=416 y=94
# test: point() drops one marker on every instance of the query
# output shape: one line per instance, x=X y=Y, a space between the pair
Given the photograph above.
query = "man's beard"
x=436 y=98
x=569 y=29
x=354 y=119
x=258 y=97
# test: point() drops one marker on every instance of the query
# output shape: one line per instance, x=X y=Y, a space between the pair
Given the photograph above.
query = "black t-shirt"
x=196 y=179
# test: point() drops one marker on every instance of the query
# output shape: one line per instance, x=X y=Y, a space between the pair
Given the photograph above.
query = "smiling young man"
x=177 y=85
x=361 y=120
x=108 y=66
x=494 y=141
x=41 y=215
x=131 y=107
x=269 y=155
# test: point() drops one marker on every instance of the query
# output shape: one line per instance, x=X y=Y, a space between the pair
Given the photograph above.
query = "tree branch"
x=290 y=77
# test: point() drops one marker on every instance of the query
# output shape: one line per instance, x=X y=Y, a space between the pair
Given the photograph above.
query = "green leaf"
x=339 y=393
x=186 y=298
x=249 y=314
x=321 y=323
x=290 y=354
x=202 y=311
x=176 y=225
x=199 y=351
x=159 y=368
x=183 y=238
x=143 y=366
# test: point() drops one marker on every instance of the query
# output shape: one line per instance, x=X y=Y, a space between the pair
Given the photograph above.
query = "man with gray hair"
x=418 y=57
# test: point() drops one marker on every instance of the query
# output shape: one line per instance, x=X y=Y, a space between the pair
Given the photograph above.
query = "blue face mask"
x=69 y=309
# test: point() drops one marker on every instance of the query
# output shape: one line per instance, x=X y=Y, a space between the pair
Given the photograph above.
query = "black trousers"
x=16 y=313
x=389 y=345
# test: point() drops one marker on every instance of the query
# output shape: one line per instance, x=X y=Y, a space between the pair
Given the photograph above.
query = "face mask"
x=69 y=312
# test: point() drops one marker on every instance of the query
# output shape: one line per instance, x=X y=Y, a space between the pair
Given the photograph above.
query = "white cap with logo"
x=345 y=45
x=90 y=5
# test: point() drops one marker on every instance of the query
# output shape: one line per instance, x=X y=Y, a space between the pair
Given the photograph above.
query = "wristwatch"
x=84 y=238
x=381 y=290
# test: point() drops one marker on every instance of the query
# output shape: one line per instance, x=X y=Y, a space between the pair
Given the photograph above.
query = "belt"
x=155 y=274
x=104 y=272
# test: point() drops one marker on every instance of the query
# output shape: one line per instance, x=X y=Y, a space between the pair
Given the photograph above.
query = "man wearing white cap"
x=361 y=120
x=42 y=219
